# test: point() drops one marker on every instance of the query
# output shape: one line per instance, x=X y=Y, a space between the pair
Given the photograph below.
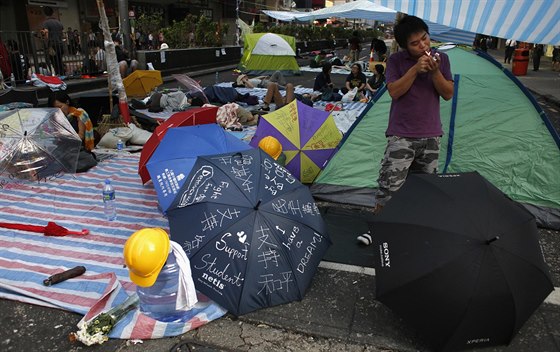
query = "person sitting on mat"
x=78 y=117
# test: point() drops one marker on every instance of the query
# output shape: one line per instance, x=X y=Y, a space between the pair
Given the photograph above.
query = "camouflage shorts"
x=401 y=156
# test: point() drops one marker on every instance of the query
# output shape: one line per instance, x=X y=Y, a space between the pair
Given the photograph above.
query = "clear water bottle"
x=158 y=301
x=120 y=145
x=217 y=77
x=13 y=80
x=109 y=205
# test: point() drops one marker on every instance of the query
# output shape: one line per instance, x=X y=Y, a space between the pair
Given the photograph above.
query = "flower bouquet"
x=97 y=329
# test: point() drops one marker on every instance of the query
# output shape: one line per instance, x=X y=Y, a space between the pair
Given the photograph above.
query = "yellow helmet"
x=145 y=254
x=271 y=146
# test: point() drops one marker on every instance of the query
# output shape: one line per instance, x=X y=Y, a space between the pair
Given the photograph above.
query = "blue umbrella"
x=177 y=152
x=253 y=233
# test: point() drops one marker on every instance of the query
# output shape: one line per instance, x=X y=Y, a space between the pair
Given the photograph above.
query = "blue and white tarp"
x=74 y=201
x=533 y=21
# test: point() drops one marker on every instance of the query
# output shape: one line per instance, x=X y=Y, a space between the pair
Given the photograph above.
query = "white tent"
x=286 y=16
x=362 y=9
x=533 y=21
x=365 y=9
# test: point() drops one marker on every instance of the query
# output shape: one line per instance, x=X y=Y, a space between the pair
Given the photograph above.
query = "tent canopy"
x=367 y=10
x=492 y=125
x=533 y=21
x=362 y=9
x=265 y=53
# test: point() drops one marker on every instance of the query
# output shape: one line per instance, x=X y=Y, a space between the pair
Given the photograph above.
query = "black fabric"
x=458 y=260
x=344 y=225
x=223 y=95
x=86 y=160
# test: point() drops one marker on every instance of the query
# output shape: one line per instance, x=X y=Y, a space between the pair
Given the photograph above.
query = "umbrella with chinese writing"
x=308 y=136
x=253 y=233
x=175 y=155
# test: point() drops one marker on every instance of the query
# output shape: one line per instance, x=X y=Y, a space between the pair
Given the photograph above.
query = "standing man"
x=53 y=32
x=355 y=47
x=510 y=48
x=416 y=79
x=538 y=51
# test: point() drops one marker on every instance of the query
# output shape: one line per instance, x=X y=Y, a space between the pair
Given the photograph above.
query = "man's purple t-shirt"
x=416 y=113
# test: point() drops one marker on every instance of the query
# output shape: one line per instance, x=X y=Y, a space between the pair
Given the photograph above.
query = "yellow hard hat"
x=145 y=254
x=271 y=146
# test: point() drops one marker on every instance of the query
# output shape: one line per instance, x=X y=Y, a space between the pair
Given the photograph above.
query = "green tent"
x=265 y=53
x=492 y=125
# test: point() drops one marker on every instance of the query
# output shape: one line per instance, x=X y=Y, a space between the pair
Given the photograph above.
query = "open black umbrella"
x=253 y=233
x=459 y=260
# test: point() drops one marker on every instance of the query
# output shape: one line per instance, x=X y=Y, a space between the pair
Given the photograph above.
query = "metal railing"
x=30 y=53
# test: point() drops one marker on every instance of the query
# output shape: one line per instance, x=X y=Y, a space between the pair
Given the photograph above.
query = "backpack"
x=5 y=66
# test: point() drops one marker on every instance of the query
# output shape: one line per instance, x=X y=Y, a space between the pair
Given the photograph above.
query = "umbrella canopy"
x=174 y=157
x=308 y=136
x=141 y=82
x=37 y=143
x=523 y=20
x=459 y=260
x=190 y=117
x=253 y=233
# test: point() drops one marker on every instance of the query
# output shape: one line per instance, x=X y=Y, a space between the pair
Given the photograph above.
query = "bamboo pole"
x=112 y=64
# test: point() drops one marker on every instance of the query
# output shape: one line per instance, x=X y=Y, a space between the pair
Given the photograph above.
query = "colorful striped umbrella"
x=308 y=136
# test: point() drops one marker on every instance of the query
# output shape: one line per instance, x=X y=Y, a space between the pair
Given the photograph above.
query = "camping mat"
x=335 y=70
x=74 y=201
x=344 y=226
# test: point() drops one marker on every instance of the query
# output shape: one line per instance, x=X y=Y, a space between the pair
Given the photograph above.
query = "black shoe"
x=267 y=108
x=138 y=104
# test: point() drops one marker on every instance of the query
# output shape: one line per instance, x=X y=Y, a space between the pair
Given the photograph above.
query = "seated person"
x=376 y=81
x=273 y=95
x=261 y=81
x=126 y=65
x=379 y=48
x=324 y=85
x=356 y=79
x=319 y=59
x=78 y=118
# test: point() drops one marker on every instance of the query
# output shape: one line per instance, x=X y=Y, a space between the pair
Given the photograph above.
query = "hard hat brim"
x=143 y=281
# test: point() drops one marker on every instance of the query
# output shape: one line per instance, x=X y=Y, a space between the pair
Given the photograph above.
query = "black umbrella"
x=253 y=233
x=459 y=260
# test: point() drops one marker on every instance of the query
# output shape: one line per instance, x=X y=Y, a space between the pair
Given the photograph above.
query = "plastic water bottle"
x=109 y=205
x=13 y=80
x=120 y=145
x=158 y=301
x=217 y=77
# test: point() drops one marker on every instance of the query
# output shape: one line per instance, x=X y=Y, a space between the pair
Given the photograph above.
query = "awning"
x=533 y=21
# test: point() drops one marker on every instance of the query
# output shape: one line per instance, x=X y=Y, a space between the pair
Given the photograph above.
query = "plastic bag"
x=349 y=97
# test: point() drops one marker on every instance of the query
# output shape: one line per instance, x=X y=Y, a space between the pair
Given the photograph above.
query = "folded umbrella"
x=52 y=229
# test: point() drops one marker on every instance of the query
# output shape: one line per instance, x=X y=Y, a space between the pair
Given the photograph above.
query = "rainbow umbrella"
x=308 y=136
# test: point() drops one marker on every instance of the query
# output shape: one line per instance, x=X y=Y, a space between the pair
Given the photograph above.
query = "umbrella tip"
x=256 y=207
x=492 y=239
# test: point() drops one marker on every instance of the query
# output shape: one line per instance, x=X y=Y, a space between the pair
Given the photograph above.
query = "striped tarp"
x=74 y=201
x=533 y=21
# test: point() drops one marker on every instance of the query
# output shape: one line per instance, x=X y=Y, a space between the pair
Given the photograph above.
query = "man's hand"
x=427 y=63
